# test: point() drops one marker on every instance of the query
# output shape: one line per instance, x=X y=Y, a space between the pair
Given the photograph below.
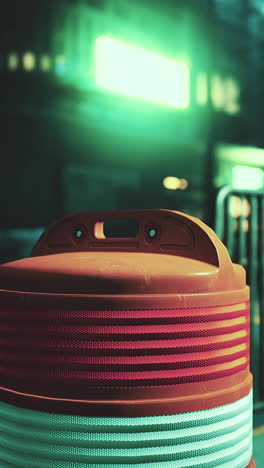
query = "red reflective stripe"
x=49 y=348
x=39 y=313
x=123 y=329
x=220 y=369
x=185 y=358
x=201 y=343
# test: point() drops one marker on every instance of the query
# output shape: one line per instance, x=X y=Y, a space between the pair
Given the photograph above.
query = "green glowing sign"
x=135 y=72
x=247 y=177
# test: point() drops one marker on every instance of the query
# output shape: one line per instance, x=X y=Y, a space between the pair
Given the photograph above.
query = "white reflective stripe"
x=132 y=452
x=241 y=420
x=196 y=461
x=210 y=413
x=37 y=438
x=241 y=462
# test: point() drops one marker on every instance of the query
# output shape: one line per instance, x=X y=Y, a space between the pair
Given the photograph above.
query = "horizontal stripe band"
x=72 y=345
x=48 y=348
x=125 y=362
x=221 y=435
x=168 y=373
x=192 y=329
x=11 y=311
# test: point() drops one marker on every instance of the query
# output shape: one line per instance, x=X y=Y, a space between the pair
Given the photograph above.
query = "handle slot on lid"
x=119 y=228
x=158 y=231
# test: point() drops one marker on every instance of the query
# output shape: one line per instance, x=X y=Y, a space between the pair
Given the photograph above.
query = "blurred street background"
x=120 y=104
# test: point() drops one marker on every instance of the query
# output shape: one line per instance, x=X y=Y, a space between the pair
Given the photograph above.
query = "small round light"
x=152 y=233
x=78 y=234
x=12 y=62
x=45 y=63
x=29 y=61
x=171 y=183
x=183 y=184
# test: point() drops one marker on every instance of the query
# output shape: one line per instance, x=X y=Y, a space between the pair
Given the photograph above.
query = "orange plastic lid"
x=174 y=258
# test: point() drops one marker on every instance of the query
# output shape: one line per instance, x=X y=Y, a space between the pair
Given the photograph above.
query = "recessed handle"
x=159 y=231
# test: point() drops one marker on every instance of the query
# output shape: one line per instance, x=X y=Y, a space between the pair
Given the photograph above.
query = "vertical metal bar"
x=254 y=302
x=261 y=286
x=230 y=241
x=242 y=238
x=220 y=211
x=251 y=255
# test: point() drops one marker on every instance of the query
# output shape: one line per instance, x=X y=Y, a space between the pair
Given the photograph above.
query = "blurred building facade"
x=70 y=145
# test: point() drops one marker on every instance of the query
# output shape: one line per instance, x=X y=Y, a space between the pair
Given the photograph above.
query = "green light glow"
x=152 y=233
x=225 y=93
x=232 y=97
x=135 y=72
x=217 y=92
x=78 y=234
x=45 y=63
x=247 y=178
x=249 y=155
x=201 y=89
x=60 y=64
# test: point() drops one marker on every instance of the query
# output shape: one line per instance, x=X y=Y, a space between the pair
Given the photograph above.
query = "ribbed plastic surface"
x=68 y=350
x=219 y=437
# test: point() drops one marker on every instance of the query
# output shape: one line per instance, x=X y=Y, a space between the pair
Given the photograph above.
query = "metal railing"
x=239 y=223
